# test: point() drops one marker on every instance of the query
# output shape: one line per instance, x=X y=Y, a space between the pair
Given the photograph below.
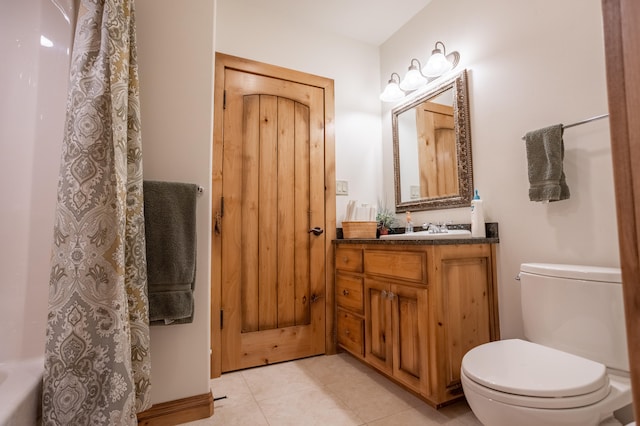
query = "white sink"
x=427 y=235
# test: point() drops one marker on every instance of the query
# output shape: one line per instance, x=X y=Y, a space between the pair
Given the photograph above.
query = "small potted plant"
x=386 y=219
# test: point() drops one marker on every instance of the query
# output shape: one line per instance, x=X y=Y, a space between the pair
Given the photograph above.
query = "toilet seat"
x=522 y=373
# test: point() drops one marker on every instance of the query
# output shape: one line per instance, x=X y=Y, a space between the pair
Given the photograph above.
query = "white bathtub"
x=20 y=392
x=35 y=40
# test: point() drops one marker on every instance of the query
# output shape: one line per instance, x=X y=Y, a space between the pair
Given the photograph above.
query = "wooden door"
x=437 y=153
x=378 y=335
x=410 y=319
x=273 y=196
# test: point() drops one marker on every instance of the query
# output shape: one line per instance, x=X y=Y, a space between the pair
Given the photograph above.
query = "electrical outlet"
x=342 y=187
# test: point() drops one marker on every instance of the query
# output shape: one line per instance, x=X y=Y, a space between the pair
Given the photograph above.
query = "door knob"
x=316 y=231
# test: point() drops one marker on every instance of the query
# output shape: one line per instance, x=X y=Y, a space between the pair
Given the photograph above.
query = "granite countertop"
x=492 y=238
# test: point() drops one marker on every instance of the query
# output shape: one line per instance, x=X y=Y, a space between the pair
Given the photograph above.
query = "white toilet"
x=573 y=369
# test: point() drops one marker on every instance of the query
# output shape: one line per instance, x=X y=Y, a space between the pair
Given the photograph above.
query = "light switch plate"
x=415 y=192
x=342 y=187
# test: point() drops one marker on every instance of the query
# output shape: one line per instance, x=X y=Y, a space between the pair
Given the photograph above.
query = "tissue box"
x=359 y=229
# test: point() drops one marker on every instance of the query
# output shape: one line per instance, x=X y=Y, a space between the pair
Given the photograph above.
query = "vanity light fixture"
x=392 y=92
x=413 y=78
x=440 y=62
x=417 y=76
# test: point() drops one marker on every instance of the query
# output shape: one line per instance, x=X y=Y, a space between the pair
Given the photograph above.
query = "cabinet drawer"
x=349 y=292
x=349 y=259
x=350 y=332
x=405 y=265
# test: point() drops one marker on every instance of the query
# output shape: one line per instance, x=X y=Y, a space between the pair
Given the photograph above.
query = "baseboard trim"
x=179 y=411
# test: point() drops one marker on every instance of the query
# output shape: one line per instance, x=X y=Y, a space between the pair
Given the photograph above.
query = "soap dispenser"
x=477 y=217
x=409 y=227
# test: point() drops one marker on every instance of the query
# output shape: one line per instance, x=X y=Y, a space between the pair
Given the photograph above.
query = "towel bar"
x=588 y=120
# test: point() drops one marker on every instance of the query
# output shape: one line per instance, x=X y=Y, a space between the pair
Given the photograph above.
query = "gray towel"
x=545 y=153
x=170 y=231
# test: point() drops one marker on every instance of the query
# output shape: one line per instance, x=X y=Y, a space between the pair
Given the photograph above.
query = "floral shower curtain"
x=97 y=363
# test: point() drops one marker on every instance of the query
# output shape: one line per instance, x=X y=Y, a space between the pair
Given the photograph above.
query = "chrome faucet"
x=434 y=228
x=443 y=226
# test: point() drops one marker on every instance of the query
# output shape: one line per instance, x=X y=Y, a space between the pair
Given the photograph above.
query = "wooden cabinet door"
x=378 y=334
x=410 y=333
x=465 y=305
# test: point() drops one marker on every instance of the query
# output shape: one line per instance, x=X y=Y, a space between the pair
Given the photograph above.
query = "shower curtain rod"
x=577 y=123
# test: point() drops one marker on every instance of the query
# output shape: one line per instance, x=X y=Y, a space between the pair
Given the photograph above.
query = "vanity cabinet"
x=413 y=310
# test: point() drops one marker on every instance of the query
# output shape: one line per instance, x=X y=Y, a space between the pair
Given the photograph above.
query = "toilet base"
x=494 y=413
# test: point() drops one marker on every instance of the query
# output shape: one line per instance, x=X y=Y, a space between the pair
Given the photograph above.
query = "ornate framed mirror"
x=432 y=148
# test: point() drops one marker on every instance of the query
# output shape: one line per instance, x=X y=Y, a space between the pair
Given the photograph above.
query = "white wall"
x=531 y=64
x=33 y=86
x=250 y=29
x=175 y=50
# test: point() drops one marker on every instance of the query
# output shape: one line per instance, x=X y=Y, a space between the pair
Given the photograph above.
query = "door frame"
x=621 y=39
x=223 y=62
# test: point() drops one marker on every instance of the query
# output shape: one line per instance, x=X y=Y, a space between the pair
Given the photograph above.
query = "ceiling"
x=369 y=21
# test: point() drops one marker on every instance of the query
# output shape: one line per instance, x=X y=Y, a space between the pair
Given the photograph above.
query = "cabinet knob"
x=345 y=292
x=391 y=295
x=383 y=293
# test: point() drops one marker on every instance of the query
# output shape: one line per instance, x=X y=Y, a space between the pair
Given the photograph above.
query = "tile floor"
x=335 y=390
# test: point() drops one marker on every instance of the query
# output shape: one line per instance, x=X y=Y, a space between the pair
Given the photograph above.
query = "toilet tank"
x=576 y=309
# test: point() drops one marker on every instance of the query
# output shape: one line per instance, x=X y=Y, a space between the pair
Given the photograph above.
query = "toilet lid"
x=524 y=368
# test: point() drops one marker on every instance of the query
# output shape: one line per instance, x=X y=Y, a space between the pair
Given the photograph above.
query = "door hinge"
x=224 y=99
x=221 y=319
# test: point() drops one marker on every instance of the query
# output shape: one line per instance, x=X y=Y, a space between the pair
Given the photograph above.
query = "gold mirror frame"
x=458 y=83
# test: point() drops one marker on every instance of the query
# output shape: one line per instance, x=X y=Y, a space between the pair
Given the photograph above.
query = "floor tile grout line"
x=264 y=416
